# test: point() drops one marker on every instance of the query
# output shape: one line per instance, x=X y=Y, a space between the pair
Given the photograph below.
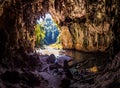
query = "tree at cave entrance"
x=47 y=32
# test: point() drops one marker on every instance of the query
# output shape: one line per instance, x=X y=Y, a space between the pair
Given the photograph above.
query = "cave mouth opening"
x=47 y=33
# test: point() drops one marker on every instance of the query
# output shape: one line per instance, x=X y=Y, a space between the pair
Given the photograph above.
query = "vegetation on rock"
x=40 y=35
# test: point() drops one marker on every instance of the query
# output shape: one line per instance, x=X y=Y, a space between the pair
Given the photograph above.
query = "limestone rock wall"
x=63 y=9
x=87 y=37
x=90 y=23
x=17 y=20
x=66 y=38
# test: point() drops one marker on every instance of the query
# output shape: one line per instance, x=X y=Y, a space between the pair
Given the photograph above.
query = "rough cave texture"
x=87 y=25
x=17 y=39
x=17 y=21
x=90 y=23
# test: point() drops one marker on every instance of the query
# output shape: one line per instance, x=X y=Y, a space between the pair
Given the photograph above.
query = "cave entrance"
x=47 y=33
x=48 y=41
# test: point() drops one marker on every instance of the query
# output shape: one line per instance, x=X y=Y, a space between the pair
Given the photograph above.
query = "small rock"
x=51 y=59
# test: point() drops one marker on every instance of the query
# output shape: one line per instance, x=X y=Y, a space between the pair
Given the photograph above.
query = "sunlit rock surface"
x=66 y=38
x=87 y=37
x=86 y=29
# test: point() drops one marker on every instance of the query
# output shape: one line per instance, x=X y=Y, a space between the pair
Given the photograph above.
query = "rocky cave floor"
x=47 y=71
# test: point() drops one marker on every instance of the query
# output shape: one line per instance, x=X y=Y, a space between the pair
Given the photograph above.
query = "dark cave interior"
x=82 y=44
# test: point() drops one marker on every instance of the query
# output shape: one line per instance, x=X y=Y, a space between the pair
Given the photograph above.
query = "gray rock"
x=51 y=59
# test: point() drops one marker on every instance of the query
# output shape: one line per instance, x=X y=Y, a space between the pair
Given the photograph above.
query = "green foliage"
x=58 y=40
x=40 y=34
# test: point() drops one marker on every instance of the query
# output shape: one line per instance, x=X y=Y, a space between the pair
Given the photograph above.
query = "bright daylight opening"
x=47 y=36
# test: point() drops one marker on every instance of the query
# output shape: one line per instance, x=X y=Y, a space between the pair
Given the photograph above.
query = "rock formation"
x=87 y=21
x=90 y=24
x=87 y=25
x=17 y=20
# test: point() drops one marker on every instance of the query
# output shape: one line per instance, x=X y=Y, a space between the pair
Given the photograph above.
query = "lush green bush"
x=40 y=35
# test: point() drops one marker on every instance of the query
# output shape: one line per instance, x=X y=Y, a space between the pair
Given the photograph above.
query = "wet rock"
x=110 y=76
x=51 y=59
x=64 y=57
x=60 y=60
